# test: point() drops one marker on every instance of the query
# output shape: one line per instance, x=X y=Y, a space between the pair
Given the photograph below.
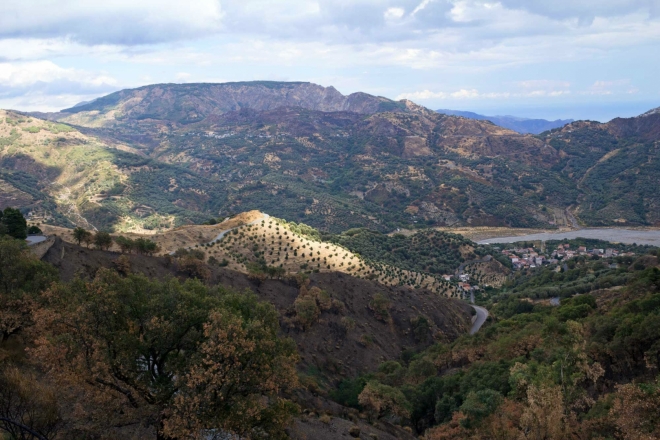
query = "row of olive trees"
x=103 y=240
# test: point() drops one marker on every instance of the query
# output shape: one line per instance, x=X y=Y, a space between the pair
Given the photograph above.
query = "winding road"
x=479 y=320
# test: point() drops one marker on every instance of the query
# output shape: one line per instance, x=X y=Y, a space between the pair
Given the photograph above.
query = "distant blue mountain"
x=521 y=125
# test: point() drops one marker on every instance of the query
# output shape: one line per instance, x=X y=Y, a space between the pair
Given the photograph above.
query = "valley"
x=290 y=262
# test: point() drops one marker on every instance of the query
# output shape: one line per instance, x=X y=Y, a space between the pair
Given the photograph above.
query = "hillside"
x=374 y=166
x=585 y=367
x=616 y=167
x=521 y=125
x=307 y=332
x=448 y=318
x=64 y=177
x=356 y=169
x=255 y=243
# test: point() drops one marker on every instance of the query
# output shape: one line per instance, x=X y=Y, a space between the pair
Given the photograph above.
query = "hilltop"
x=189 y=103
x=257 y=244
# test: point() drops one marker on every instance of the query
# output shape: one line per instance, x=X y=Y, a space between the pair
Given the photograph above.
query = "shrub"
x=102 y=240
x=307 y=311
x=380 y=305
x=380 y=400
x=421 y=328
x=347 y=323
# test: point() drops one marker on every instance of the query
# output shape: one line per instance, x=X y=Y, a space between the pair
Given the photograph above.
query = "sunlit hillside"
x=253 y=242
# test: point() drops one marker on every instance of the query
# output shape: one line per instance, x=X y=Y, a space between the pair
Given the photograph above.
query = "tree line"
x=103 y=240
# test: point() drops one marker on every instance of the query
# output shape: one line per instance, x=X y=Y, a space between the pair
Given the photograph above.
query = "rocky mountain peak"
x=186 y=103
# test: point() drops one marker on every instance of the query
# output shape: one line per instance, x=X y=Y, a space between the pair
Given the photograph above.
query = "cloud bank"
x=429 y=50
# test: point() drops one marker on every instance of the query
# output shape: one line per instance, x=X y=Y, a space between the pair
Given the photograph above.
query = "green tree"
x=146 y=246
x=102 y=240
x=81 y=235
x=381 y=400
x=15 y=223
x=125 y=244
x=22 y=277
x=34 y=230
x=478 y=405
x=180 y=357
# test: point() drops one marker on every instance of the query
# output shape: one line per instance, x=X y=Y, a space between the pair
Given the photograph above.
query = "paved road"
x=482 y=314
x=34 y=239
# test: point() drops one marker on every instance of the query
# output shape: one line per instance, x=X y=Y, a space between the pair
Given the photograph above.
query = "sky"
x=580 y=59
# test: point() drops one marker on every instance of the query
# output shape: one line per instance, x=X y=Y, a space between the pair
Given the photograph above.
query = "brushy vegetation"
x=427 y=251
x=587 y=368
x=137 y=357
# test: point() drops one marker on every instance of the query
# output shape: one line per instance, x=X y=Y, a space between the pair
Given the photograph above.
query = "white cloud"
x=43 y=85
x=394 y=13
x=612 y=87
x=529 y=89
x=125 y=22
x=25 y=74
x=544 y=84
x=183 y=77
x=457 y=95
x=472 y=49
x=421 y=6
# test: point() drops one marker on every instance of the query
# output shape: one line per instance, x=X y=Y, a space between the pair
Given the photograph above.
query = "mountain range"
x=515 y=123
x=164 y=155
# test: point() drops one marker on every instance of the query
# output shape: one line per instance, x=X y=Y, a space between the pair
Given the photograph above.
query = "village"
x=529 y=258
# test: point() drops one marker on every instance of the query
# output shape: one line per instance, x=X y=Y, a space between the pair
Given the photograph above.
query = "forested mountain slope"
x=616 y=167
x=307 y=153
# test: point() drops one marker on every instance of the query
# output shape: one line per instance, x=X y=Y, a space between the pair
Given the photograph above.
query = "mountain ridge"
x=192 y=102
x=519 y=124
x=177 y=158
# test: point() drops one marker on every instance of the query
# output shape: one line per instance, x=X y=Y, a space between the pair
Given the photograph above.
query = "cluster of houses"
x=463 y=284
x=525 y=258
